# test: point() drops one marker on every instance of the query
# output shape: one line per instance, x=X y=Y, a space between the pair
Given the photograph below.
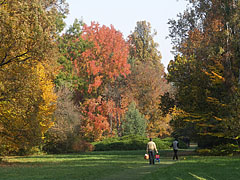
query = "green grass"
x=202 y=168
x=114 y=165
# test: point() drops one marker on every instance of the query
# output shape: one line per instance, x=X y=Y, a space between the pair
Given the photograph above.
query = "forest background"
x=60 y=92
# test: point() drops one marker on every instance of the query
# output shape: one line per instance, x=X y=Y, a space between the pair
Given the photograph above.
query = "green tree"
x=71 y=45
x=143 y=48
x=134 y=123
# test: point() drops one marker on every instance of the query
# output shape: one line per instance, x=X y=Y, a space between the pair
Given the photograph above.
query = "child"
x=157 y=157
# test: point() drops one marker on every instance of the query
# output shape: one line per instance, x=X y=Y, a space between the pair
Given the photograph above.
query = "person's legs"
x=175 y=154
x=151 y=157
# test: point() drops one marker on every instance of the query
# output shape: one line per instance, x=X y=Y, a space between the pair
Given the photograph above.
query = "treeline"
x=61 y=91
x=206 y=73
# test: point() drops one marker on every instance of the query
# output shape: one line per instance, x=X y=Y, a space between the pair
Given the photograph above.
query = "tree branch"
x=10 y=60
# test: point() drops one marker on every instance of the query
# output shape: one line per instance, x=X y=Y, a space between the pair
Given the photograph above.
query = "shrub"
x=82 y=146
x=204 y=152
x=182 y=145
x=162 y=144
x=130 y=142
x=61 y=136
x=220 y=150
x=225 y=149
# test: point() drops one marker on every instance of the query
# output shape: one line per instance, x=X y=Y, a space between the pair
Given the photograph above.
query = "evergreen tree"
x=134 y=123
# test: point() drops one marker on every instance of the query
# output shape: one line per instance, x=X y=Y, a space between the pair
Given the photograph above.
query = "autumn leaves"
x=103 y=72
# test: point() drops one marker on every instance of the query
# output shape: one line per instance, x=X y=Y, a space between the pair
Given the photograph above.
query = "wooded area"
x=61 y=90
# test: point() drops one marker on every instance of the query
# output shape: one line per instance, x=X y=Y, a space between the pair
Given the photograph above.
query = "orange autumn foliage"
x=99 y=65
x=107 y=58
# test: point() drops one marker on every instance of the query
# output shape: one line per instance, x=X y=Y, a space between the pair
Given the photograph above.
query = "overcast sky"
x=123 y=15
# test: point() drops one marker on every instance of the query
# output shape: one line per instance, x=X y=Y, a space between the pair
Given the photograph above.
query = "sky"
x=124 y=14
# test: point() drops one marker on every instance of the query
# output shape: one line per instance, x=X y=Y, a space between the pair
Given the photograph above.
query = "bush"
x=183 y=145
x=204 y=152
x=61 y=136
x=225 y=149
x=130 y=142
x=220 y=150
x=162 y=144
x=82 y=146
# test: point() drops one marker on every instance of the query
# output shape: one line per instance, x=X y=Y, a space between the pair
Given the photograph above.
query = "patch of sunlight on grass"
x=145 y=173
x=212 y=178
x=55 y=160
x=178 y=178
x=167 y=162
x=81 y=165
x=197 y=177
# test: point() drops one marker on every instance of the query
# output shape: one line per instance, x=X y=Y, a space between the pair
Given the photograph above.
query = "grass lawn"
x=116 y=165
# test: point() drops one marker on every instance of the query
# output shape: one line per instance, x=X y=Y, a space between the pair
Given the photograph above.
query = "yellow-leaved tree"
x=27 y=101
x=28 y=54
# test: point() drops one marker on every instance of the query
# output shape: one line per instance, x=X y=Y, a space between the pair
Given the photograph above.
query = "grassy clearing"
x=201 y=168
x=116 y=165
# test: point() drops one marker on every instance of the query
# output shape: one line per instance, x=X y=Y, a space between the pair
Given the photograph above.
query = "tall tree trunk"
x=111 y=123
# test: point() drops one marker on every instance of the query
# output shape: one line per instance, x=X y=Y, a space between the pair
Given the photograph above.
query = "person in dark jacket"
x=175 y=147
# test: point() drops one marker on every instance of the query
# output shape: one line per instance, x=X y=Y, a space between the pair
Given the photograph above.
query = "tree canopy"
x=206 y=73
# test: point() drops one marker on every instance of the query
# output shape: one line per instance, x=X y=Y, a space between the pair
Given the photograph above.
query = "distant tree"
x=147 y=83
x=143 y=48
x=71 y=45
x=134 y=123
x=98 y=67
x=61 y=136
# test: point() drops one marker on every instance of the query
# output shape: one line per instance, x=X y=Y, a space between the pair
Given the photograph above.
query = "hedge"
x=131 y=142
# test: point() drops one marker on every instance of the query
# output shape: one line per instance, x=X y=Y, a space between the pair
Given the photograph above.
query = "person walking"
x=151 y=149
x=175 y=149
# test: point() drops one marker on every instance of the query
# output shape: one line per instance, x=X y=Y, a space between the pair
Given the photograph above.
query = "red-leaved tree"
x=99 y=65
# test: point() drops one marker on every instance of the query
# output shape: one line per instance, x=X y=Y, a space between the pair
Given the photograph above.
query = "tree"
x=26 y=106
x=134 y=123
x=28 y=54
x=62 y=135
x=207 y=35
x=70 y=49
x=98 y=66
x=28 y=29
x=143 y=48
x=107 y=59
x=72 y=91
x=146 y=83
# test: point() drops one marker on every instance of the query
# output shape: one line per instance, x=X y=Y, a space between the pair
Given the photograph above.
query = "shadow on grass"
x=118 y=165
x=77 y=166
x=202 y=168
